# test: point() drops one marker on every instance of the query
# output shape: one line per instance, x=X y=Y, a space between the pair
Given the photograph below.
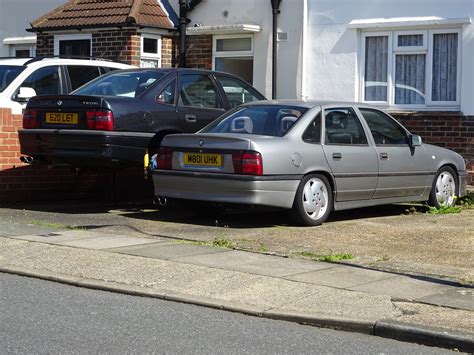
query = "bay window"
x=411 y=69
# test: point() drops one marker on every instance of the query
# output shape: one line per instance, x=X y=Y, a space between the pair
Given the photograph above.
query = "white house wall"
x=332 y=64
x=259 y=12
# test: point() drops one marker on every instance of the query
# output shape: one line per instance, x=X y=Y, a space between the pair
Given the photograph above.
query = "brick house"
x=138 y=32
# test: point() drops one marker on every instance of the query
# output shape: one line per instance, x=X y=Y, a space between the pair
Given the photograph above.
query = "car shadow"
x=261 y=217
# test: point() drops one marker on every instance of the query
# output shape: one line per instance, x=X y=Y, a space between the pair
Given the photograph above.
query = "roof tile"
x=104 y=13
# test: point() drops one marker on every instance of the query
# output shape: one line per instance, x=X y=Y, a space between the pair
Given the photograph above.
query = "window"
x=384 y=128
x=81 y=74
x=73 y=45
x=418 y=68
x=313 y=132
x=151 y=51
x=198 y=91
x=45 y=81
x=237 y=92
x=343 y=127
x=167 y=95
x=272 y=120
x=234 y=54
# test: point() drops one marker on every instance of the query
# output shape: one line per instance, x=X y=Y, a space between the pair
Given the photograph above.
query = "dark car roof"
x=306 y=103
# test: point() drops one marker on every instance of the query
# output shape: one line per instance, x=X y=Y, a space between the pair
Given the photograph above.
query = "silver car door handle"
x=337 y=156
x=190 y=118
x=383 y=156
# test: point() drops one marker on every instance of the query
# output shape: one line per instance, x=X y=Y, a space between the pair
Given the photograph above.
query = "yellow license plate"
x=62 y=117
x=202 y=159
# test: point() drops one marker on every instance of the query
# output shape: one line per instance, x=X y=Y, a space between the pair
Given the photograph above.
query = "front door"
x=352 y=160
x=199 y=103
x=403 y=170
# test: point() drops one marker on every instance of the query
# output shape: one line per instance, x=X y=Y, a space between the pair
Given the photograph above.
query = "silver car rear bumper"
x=276 y=191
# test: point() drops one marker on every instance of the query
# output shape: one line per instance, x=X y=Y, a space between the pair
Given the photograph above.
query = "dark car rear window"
x=8 y=73
x=128 y=84
x=271 y=120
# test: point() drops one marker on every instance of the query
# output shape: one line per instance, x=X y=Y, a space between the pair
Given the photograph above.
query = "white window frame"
x=15 y=47
x=71 y=37
x=429 y=64
x=393 y=50
x=389 y=67
x=230 y=54
x=150 y=56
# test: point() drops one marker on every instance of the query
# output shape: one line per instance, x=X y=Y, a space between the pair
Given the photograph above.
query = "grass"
x=221 y=242
x=331 y=258
x=467 y=201
x=444 y=210
x=53 y=225
x=218 y=242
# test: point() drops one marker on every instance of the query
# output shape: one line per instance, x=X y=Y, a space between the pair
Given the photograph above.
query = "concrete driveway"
x=384 y=238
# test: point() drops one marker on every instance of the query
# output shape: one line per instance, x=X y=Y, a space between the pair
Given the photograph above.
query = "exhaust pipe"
x=26 y=159
x=160 y=201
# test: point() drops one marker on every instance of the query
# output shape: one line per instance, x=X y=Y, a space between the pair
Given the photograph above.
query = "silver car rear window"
x=271 y=120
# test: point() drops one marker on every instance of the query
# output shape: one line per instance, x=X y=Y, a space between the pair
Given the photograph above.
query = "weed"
x=263 y=248
x=54 y=225
x=328 y=258
x=467 y=201
x=192 y=242
x=444 y=209
x=222 y=242
x=411 y=211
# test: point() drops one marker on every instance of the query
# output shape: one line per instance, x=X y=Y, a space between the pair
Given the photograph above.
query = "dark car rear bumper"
x=84 y=147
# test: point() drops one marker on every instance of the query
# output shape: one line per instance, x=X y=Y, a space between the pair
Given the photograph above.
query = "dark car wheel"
x=313 y=200
x=444 y=189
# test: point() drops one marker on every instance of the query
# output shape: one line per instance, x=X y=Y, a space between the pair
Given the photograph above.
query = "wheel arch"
x=326 y=174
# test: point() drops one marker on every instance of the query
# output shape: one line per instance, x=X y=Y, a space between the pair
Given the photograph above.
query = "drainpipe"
x=275 y=11
x=184 y=7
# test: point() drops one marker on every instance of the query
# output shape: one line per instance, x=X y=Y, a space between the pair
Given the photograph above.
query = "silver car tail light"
x=247 y=163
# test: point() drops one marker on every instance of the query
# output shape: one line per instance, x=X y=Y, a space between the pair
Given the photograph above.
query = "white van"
x=23 y=78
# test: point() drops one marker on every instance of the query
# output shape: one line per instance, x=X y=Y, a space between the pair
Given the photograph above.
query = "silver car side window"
x=343 y=127
x=312 y=134
x=384 y=129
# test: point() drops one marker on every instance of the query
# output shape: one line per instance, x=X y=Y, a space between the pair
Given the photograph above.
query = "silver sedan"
x=310 y=157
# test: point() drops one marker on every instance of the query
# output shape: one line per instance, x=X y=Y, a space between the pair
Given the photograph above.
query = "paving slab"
x=341 y=276
x=168 y=251
x=258 y=264
x=403 y=287
x=462 y=298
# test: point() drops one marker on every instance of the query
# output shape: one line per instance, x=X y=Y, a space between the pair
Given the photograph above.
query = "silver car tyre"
x=313 y=200
x=444 y=189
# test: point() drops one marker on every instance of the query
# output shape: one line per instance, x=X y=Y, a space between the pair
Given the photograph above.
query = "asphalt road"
x=44 y=317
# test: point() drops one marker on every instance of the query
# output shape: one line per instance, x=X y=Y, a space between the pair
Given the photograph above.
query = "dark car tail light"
x=248 y=163
x=100 y=120
x=164 y=158
x=29 y=119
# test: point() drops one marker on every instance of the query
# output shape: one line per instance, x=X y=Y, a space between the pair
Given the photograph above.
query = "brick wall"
x=445 y=129
x=122 y=45
x=199 y=52
x=168 y=52
x=44 y=45
x=21 y=182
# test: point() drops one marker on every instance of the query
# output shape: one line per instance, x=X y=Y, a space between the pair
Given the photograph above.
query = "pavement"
x=408 y=308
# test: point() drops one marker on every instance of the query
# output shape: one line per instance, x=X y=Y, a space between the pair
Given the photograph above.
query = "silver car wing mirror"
x=415 y=141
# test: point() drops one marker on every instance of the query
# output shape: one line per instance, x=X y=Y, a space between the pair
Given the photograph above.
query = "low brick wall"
x=450 y=130
x=21 y=182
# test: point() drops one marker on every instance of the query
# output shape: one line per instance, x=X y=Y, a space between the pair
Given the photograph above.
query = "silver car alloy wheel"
x=445 y=189
x=315 y=198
